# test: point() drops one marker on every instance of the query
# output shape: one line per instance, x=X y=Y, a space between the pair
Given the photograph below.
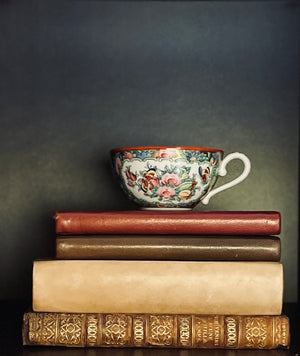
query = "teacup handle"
x=223 y=172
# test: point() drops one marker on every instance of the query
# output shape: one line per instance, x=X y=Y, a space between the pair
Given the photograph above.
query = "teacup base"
x=167 y=209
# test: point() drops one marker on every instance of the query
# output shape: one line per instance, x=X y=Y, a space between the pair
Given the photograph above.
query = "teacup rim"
x=136 y=148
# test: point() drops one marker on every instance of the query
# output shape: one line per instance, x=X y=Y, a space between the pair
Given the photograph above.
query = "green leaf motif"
x=186 y=185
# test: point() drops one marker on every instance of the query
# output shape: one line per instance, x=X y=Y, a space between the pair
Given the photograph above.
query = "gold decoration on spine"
x=161 y=330
x=139 y=330
x=281 y=331
x=115 y=329
x=139 y=334
x=49 y=329
x=91 y=330
x=256 y=332
x=70 y=329
x=231 y=332
x=285 y=332
x=185 y=332
x=34 y=321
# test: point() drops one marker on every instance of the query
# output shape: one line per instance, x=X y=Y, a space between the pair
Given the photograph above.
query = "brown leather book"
x=169 y=222
x=156 y=330
x=169 y=247
x=163 y=287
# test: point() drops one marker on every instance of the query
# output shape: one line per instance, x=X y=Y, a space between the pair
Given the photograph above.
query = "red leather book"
x=169 y=222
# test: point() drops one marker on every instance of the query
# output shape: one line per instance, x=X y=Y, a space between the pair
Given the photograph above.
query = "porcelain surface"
x=167 y=177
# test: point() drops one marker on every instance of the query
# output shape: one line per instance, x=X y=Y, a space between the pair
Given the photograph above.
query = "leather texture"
x=169 y=222
x=156 y=330
x=169 y=247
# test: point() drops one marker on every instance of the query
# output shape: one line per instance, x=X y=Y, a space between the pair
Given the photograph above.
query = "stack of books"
x=171 y=279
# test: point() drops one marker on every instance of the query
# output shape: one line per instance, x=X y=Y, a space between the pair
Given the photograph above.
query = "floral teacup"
x=173 y=177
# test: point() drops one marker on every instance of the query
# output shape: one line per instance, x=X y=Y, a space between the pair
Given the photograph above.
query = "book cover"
x=169 y=222
x=138 y=286
x=156 y=330
x=169 y=247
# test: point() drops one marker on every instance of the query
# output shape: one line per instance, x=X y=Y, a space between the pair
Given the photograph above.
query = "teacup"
x=173 y=177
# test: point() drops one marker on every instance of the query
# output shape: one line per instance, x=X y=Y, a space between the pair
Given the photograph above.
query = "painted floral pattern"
x=166 y=177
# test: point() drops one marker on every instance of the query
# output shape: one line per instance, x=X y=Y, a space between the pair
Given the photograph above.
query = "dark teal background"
x=81 y=77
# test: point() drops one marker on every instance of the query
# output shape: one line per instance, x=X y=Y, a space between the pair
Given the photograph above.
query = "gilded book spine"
x=161 y=330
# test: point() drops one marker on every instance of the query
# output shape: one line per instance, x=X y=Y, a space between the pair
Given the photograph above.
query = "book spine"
x=143 y=286
x=170 y=247
x=156 y=330
x=149 y=222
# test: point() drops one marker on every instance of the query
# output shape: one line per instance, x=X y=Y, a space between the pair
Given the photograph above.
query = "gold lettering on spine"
x=138 y=331
x=207 y=331
x=185 y=332
x=231 y=332
x=217 y=331
x=92 y=330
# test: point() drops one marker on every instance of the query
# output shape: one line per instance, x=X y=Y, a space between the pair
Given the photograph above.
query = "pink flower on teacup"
x=128 y=155
x=164 y=154
x=154 y=181
x=166 y=192
x=171 y=178
x=147 y=185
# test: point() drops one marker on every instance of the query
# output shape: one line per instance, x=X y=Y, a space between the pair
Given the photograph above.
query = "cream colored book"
x=161 y=287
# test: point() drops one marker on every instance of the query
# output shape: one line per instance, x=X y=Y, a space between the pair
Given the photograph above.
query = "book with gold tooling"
x=156 y=330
